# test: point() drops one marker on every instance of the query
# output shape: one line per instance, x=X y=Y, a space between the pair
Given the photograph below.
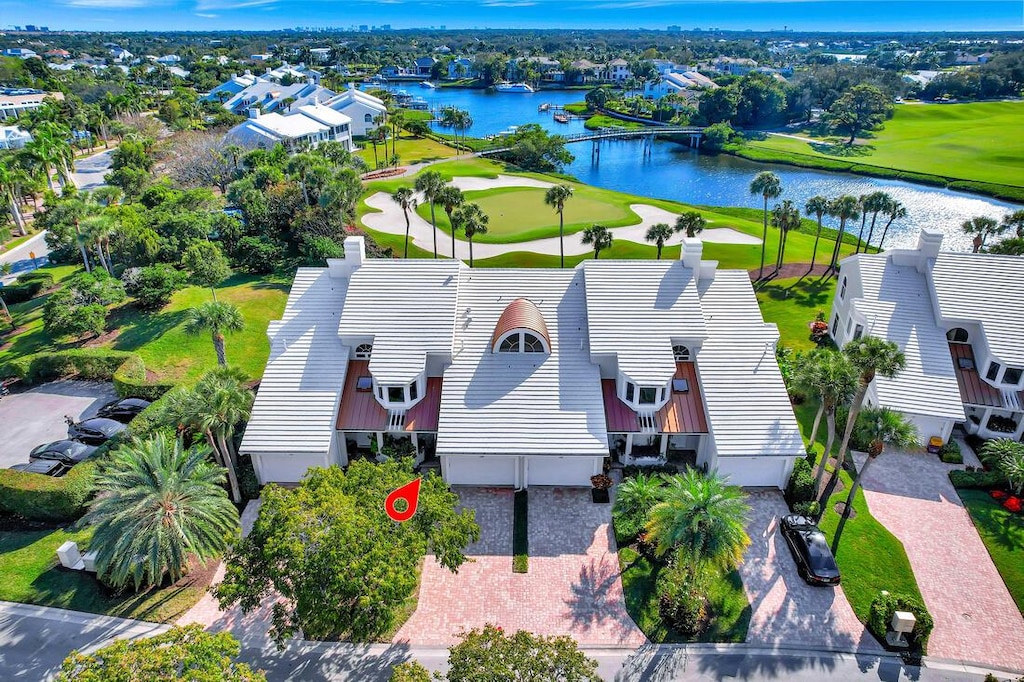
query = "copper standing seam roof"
x=683 y=413
x=521 y=314
x=360 y=411
x=973 y=389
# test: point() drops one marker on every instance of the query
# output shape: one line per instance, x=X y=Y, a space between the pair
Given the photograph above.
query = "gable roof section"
x=521 y=403
x=299 y=393
x=408 y=308
x=897 y=305
x=748 y=407
x=988 y=289
x=635 y=308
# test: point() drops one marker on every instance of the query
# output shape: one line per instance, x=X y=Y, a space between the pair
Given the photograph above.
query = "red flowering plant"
x=999 y=494
x=1013 y=504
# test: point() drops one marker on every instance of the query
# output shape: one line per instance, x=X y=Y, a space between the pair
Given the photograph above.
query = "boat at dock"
x=561 y=118
x=428 y=85
x=543 y=107
x=512 y=87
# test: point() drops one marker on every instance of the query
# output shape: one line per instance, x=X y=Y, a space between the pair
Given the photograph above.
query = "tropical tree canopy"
x=490 y=654
x=218 y=318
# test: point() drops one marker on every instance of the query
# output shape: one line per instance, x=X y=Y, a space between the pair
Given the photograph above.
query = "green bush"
x=886 y=604
x=632 y=470
x=1006 y=192
x=44 y=498
x=681 y=603
x=812 y=508
x=982 y=480
x=410 y=671
x=130 y=381
x=21 y=292
x=37 y=276
x=125 y=369
x=800 y=488
x=950 y=453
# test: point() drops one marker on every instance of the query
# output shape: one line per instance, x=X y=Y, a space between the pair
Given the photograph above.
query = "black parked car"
x=123 y=410
x=95 y=431
x=69 y=452
x=46 y=467
x=814 y=560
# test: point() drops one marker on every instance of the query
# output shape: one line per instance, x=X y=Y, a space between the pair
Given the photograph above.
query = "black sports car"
x=45 y=467
x=123 y=410
x=95 y=431
x=69 y=452
x=814 y=560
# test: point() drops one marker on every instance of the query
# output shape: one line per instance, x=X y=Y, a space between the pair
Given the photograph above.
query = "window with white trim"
x=510 y=344
x=363 y=351
x=842 y=290
x=532 y=343
x=1012 y=376
x=681 y=353
x=521 y=341
x=957 y=335
x=648 y=395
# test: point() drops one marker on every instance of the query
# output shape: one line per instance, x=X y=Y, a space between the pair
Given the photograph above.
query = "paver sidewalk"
x=976 y=620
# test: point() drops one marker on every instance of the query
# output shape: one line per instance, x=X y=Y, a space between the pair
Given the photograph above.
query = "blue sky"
x=841 y=15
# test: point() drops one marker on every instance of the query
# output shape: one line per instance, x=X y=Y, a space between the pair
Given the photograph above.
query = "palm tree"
x=785 y=217
x=430 y=183
x=1015 y=221
x=982 y=227
x=218 y=318
x=870 y=356
x=450 y=198
x=895 y=210
x=691 y=222
x=1006 y=456
x=845 y=208
x=702 y=519
x=768 y=185
x=406 y=198
x=861 y=203
x=473 y=221
x=599 y=237
x=832 y=379
x=49 y=146
x=160 y=506
x=97 y=229
x=880 y=428
x=659 y=234
x=877 y=202
x=817 y=206
x=556 y=197
x=638 y=494
x=11 y=179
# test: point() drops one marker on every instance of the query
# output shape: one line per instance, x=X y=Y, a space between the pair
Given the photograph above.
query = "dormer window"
x=521 y=329
x=681 y=353
x=363 y=351
x=648 y=396
x=510 y=344
x=993 y=371
x=957 y=335
x=396 y=394
x=1012 y=376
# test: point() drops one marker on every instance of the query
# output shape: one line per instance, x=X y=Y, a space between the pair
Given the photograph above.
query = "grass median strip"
x=520 y=534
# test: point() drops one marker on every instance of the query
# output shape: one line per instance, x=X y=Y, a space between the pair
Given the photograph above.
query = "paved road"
x=89 y=171
x=20 y=260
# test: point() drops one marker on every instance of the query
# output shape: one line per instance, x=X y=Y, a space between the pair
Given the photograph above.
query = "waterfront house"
x=617 y=70
x=959 y=331
x=361 y=107
x=267 y=95
x=306 y=126
x=687 y=84
x=519 y=377
x=425 y=66
x=462 y=67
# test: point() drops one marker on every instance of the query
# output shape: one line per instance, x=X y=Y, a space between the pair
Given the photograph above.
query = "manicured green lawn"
x=14 y=242
x=1003 y=535
x=792 y=304
x=31 y=575
x=602 y=121
x=976 y=141
x=728 y=602
x=410 y=149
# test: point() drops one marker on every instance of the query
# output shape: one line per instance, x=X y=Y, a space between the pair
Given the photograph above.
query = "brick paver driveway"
x=975 y=617
x=572 y=587
x=786 y=610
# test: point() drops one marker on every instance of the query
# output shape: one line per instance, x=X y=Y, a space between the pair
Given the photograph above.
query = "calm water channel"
x=676 y=172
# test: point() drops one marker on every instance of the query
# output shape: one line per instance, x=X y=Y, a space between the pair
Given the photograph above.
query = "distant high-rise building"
x=31 y=28
x=674 y=29
x=364 y=27
x=385 y=27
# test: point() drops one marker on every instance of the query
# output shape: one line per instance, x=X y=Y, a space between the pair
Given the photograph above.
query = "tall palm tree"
x=862 y=205
x=785 y=217
x=871 y=357
x=846 y=207
x=659 y=234
x=97 y=229
x=406 y=198
x=768 y=185
x=598 y=237
x=832 y=379
x=218 y=318
x=702 y=519
x=471 y=219
x=818 y=207
x=982 y=227
x=430 y=184
x=11 y=179
x=50 y=147
x=556 y=197
x=450 y=198
x=895 y=210
x=877 y=202
x=1015 y=221
x=691 y=223
x=880 y=428
x=161 y=505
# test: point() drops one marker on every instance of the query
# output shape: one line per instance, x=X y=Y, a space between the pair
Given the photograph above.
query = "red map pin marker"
x=410 y=493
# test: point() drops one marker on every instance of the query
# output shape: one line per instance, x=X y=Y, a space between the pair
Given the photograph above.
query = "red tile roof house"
x=520 y=377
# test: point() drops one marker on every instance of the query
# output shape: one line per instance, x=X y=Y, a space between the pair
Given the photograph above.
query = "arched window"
x=957 y=335
x=510 y=344
x=363 y=351
x=521 y=329
x=681 y=353
x=532 y=343
x=520 y=341
x=368 y=118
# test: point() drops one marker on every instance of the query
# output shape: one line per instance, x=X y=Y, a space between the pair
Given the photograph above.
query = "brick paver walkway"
x=572 y=587
x=786 y=610
x=976 y=620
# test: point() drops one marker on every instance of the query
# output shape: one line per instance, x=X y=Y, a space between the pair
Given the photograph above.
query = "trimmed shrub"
x=632 y=470
x=950 y=453
x=410 y=671
x=800 y=488
x=22 y=291
x=125 y=369
x=886 y=604
x=37 y=276
x=44 y=498
x=981 y=480
x=812 y=508
x=681 y=603
x=130 y=381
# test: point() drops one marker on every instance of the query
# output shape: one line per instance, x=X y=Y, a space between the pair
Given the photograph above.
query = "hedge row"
x=44 y=498
x=126 y=370
x=800 y=488
x=21 y=292
x=885 y=605
x=981 y=480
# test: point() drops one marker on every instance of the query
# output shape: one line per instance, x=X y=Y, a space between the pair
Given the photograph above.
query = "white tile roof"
x=635 y=308
x=299 y=393
x=897 y=305
x=408 y=307
x=325 y=115
x=748 y=407
x=291 y=126
x=987 y=289
x=522 y=403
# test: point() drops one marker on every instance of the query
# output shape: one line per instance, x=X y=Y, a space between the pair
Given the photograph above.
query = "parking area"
x=36 y=415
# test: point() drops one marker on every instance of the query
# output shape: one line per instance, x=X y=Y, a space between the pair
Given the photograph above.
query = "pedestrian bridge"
x=647 y=133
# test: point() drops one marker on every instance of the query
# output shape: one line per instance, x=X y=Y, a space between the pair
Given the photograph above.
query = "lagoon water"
x=676 y=172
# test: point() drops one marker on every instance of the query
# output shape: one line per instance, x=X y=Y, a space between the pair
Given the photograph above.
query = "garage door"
x=755 y=472
x=566 y=471
x=285 y=467
x=490 y=470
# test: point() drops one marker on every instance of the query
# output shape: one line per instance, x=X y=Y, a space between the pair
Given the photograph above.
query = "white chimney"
x=929 y=243
x=355 y=254
x=691 y=252
x=254 y=113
